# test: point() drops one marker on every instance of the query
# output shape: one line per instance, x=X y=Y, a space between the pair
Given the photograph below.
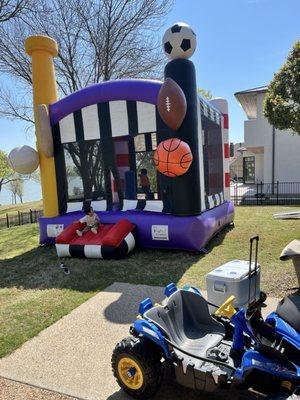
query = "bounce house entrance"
x=134 y=161
x=136 y=176
x=85 y=170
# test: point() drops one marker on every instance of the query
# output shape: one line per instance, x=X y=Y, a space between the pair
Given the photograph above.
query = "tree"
x=6 y=173
x=16 y=186
x=282 y=101
x=20 y=189
x=85 y=160
x=11 y=8
x=98 y=40
x=8 y=176
x=206 y=94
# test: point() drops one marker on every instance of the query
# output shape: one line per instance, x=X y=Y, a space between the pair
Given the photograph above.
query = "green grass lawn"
x=34 y=292
x=14 y=208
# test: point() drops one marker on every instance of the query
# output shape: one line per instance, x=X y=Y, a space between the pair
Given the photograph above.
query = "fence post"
x=257 y=194
x=7 y=220
x=277 y=193
x=261 y=193
x=235 y=195
x=30 y=211
x=19 y=217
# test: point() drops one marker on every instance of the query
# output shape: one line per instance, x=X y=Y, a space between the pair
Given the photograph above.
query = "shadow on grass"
x=39 y=269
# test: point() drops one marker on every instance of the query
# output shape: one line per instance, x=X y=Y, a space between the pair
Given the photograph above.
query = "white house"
x=236 y=162
x=269 y=155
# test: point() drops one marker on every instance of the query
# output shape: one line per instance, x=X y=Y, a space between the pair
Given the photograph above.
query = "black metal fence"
x=278 y=193
x=20 y=218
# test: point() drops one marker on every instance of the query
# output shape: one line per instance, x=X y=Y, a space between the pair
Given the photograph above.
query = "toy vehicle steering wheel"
x=227 y=308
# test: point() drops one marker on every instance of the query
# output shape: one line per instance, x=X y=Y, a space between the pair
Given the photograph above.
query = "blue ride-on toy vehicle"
x=229 y=349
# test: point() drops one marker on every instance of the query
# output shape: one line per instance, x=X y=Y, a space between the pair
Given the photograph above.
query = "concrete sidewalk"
x=72 y=356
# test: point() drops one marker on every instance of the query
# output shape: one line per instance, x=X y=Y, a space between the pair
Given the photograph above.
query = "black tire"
x=139 y=350
x=283 y=397
x=262 y=297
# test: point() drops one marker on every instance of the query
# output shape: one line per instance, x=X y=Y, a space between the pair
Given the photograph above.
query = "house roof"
x=248 y=100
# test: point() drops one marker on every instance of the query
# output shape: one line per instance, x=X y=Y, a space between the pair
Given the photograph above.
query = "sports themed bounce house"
x=150 y=157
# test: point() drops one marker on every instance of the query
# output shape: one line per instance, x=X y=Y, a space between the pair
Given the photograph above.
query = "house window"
x=249 y=169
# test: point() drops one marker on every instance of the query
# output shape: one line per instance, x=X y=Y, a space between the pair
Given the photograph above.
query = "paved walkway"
x=72 y=357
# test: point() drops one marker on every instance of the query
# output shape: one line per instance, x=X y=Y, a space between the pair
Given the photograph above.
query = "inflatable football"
x=179 y=41
x=171 y=104
x=23 y=160
x=173 y=157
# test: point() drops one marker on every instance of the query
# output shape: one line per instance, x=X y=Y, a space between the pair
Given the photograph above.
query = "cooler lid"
x=233 y=270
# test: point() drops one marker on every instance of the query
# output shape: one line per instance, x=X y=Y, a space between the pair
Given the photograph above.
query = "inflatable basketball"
x=173 y=157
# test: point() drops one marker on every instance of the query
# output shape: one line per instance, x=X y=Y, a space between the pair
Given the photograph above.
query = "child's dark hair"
x=144 y=171
x=88 y=209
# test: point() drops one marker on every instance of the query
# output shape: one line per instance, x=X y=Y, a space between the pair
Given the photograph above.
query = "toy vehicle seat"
x=185 y=319
x=289 y=310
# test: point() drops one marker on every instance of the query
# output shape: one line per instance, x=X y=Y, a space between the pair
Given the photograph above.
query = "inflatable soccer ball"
x=179 y=41
x=23 y=160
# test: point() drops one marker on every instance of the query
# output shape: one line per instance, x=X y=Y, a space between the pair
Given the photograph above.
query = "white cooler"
x=230 y=279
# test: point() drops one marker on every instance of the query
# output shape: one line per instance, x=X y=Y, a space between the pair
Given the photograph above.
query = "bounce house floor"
x=153 y=229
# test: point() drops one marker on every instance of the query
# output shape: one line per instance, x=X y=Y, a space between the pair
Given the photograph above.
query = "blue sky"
x=241 y=43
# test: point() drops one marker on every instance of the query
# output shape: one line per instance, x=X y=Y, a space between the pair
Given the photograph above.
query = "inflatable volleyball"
x=23 y=160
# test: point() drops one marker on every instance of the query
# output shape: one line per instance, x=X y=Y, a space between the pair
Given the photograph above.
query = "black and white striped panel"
x=126 y=118
x=97 y=251
x=201 y=158
x=209 y=112
x=98 y=205
x=91 y=124
x=214 y=200
x=145 y=142
x=145 y=205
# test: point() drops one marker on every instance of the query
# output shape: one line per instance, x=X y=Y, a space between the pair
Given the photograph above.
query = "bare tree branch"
x=12 y=8
x=15 y=104
x=98 y=40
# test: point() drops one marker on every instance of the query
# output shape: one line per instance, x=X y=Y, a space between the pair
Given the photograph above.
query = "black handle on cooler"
x=254 y=238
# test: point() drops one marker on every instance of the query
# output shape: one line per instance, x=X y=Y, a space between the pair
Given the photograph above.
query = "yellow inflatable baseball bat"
x=42 y=49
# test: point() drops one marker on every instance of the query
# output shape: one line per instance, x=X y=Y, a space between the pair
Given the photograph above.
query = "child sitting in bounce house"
x=91 y=220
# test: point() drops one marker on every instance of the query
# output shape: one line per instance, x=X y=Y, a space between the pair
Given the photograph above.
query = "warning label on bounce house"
x=160 y=232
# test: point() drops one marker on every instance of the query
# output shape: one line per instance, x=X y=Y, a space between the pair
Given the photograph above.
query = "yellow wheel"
x=137 y=368
x=130 y=373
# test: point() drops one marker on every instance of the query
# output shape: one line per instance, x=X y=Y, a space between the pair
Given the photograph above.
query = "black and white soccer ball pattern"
x=179 y=41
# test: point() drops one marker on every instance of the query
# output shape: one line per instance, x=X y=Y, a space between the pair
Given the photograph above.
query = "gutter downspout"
x=273 y=158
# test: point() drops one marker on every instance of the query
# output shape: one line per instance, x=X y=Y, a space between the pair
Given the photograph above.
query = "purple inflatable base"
x=154 y=230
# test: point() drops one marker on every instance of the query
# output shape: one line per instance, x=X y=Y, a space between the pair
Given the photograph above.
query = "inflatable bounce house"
x=150 y=157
